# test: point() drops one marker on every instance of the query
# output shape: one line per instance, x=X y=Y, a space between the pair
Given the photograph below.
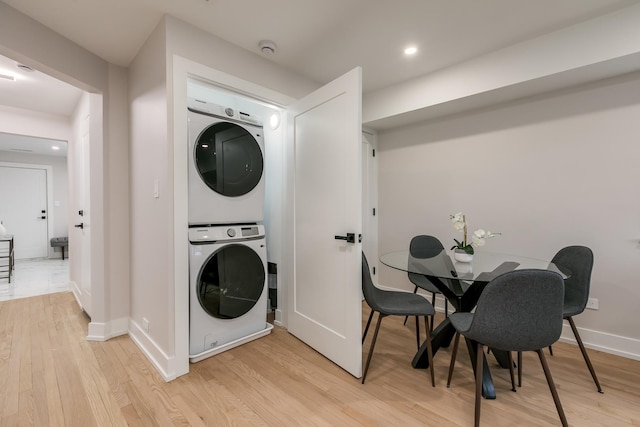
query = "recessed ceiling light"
x=411 y=50
x=274 y=120
x=55 y=147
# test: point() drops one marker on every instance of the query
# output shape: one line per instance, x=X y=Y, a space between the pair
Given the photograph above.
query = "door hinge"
x=374 y=271
x=374 y=211
x=374 y=152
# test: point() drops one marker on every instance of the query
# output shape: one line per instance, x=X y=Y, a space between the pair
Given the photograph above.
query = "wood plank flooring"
x=51 y=376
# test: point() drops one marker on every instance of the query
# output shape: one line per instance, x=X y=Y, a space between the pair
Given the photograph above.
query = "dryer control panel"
x=225 y=233
x=202 y=106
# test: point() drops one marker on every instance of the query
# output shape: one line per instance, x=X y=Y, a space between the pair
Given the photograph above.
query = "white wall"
x=547 y=172
x=150 y=218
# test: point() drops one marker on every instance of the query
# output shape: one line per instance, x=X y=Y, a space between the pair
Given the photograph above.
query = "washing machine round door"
x=231 y=282
x=228 y=159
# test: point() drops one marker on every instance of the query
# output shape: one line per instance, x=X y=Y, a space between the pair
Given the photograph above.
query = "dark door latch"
x=350 y=237
x=80 y=226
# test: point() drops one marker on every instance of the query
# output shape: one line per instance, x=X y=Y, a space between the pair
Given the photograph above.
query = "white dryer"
x=226 y=165
x=228 y=288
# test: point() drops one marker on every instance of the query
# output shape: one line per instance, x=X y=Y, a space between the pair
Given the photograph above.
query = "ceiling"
x=32 y=145
x=319 y=39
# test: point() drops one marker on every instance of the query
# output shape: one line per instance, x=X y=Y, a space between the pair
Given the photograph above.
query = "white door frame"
x=49 y=178
x=172 y=366
x=369 y=219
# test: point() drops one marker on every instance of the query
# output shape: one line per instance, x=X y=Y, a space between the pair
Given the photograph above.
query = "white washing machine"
x=228 y=288
x=226 y=165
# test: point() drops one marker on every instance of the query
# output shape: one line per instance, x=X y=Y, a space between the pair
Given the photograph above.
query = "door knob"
x=350 y=238
x=80 y=226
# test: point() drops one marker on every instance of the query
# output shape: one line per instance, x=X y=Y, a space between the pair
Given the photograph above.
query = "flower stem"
x=464 y=221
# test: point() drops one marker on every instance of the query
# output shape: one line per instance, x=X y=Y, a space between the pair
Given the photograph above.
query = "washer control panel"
x=225 y=233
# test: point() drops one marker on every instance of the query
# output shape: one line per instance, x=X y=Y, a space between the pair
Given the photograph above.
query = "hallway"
x=33 y=277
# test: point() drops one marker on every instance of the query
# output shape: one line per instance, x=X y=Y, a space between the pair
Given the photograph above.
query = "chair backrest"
x=423 y=246
x=579 y=261
x=519 y=311
x=372 y=294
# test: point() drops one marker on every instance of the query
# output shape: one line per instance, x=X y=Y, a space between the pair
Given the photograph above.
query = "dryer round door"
x=228 y=159
x=230 y=282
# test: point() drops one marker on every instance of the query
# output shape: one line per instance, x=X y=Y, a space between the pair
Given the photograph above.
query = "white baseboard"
x=596 y=340
x=104 y=331
x=601 y=341
x=76 y=293
x=163 y=363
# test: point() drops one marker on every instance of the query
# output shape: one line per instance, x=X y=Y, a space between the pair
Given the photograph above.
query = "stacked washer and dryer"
x=227 y=247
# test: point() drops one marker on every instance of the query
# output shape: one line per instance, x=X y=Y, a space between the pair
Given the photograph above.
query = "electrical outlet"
x=592 y=303
x=145 y=324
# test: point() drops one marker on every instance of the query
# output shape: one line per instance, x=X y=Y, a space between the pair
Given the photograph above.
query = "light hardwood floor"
x=51 y=376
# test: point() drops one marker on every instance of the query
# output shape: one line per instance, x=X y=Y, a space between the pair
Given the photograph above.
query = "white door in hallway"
x=23 y=208
x=83 y=225
x=325 y=303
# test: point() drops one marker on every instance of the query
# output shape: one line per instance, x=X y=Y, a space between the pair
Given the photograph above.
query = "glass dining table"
x=462 y=283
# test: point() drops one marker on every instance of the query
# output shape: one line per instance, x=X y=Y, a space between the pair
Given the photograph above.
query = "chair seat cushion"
x=404 y=304
x=59 y=241
x=423 y=283
x=461 y=321
x=571 y=309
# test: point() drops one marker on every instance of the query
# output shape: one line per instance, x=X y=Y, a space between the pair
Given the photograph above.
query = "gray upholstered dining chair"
x=424 y=246
x=579 y=261
x=518 y=311
x=393 y=303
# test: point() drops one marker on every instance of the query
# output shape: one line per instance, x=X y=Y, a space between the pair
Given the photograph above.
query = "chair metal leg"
x=519 y=369
x=418 y=331
x=366 y=328
x=552 y=387
x=406 y=317
x=430 y=357
x=454 y=353
x=551 y=350
x=513 y=381
x=479 y=363
x=373 y=344
x=584 y=354
x=446 y=308
x=426 y=324
x=433 y=318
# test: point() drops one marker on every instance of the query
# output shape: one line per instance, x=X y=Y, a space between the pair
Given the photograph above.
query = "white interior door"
x=23 y=210
x=80 y=234
x=324 y=304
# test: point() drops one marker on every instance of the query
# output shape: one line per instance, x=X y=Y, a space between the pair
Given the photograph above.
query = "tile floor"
x=36 y=277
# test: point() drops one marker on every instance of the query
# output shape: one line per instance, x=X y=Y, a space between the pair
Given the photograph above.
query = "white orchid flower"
x=481 y=234
x=478 y=238
x=478 y=241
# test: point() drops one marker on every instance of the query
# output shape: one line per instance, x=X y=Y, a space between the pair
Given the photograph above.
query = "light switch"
x=156 y=185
